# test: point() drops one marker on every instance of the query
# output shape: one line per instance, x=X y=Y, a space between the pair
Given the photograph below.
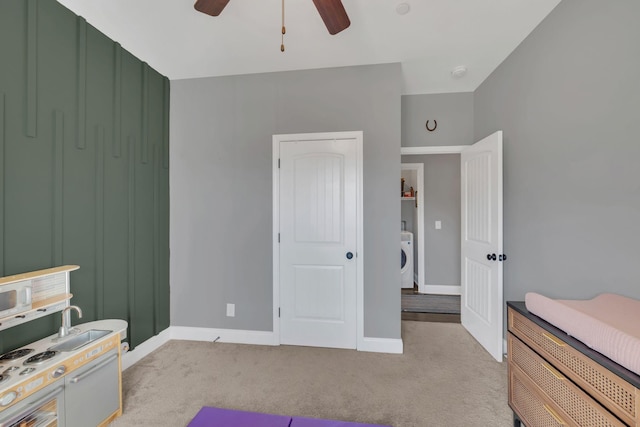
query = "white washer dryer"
x=406 y=260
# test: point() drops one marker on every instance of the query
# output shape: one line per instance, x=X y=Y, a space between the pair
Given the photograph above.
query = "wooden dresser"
x=556 y=380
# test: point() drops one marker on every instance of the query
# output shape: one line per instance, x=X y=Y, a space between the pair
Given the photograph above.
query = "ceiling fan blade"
x=210 y=7
x=333 y=14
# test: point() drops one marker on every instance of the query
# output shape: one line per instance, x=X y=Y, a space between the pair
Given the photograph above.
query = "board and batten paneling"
x=83 y=168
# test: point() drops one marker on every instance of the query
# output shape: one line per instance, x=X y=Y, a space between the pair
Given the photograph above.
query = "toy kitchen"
x=69 y=379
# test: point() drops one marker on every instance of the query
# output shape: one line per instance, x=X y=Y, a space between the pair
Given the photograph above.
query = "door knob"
x=491 y=257
x=502 y=257
x=59 y=371
x=349 y=255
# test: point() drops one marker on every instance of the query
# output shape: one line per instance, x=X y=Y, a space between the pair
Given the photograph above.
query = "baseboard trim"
x=235 y=336
x=132 y=357
x=195 y=334
x=382 y=345
x=442 y=289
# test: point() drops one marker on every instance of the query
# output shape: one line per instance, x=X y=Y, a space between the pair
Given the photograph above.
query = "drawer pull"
x=554 y=340
x=555 y=373
x=553 y=414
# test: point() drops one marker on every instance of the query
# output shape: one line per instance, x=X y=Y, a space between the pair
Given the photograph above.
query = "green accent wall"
x=84 y=169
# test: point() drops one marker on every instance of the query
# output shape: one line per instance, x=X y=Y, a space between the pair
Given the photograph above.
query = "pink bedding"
x=608 y=323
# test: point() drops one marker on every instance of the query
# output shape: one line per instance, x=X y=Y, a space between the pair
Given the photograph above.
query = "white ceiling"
x=429 y=41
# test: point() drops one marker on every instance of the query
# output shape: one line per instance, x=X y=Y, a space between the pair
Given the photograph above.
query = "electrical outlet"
x=438 y=225
x=231 y=310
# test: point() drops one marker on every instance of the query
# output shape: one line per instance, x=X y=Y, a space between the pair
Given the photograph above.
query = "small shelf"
x=37 y=274
x=407 y=198
x=38 y=309
x=49 y=301
x=50 y=293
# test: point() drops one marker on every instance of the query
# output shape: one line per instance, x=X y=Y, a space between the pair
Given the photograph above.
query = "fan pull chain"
x=284 y=30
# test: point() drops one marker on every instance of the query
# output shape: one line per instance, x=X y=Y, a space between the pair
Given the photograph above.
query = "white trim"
x=453 y=149
x=420 y=232
x=235 y=336
x=146 y=348
x=360 y=243
x=358 y=136
x=442 y=289
x=275 y=238
x=382 y=345
x=187 y=333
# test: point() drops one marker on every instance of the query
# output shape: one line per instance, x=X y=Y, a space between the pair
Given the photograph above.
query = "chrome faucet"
x=65 y=328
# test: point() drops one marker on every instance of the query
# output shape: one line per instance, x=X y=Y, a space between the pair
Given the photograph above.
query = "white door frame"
x=419 y=168
x=457 y=149
x=359 y=258
x=423 y=287
x=444 y=149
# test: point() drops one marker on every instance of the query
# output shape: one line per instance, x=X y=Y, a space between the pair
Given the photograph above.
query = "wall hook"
x=435 y=125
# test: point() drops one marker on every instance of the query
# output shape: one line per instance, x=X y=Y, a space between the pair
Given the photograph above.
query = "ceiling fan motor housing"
x=332 y=12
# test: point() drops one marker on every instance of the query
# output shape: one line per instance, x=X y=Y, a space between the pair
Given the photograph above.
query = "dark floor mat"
x=428 y=303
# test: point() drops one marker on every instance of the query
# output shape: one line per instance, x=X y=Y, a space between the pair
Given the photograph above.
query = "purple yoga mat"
x=217 y=417
x=314 y=422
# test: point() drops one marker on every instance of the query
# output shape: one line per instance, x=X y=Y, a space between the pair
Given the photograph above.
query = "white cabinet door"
x=92 y=393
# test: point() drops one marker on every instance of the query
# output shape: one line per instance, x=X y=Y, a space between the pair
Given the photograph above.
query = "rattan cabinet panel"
x=530 y=405
x=579 y=406
x=613 y=392
x=593 y=390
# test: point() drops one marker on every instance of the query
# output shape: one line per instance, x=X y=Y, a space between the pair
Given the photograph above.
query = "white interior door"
x=318 y=242
x=481 y=287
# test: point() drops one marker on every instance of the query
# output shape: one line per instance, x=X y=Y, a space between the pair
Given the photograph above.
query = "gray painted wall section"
x=452 y=111
x=407 y=214
x=221 y=198
x=441 y=203
x=568 y=100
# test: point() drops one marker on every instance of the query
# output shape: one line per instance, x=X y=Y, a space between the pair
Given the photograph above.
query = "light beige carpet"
x=444 y=378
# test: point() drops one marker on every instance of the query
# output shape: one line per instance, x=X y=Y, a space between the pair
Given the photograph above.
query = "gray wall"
x=441 y=203
x=568 y=100
x=221 y=197
x=452 y=111
x=407 y=214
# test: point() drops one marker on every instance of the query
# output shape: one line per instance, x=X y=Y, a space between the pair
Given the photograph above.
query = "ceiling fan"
x=331 y=11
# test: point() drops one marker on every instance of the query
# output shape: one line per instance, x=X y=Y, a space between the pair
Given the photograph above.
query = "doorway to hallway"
x=429 y=307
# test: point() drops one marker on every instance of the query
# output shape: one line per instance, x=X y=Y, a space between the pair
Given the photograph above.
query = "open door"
x=481 y=264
